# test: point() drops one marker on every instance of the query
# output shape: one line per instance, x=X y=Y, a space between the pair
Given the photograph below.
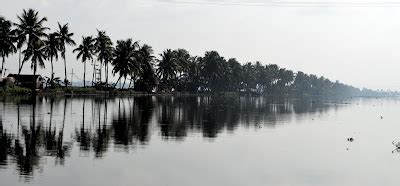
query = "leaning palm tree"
x=167 y=68
x=7 y=38
x=30 y=29
x=85 y=51
x=37 y=54
x=52 y=47
x=104 y=50
x=64 y=37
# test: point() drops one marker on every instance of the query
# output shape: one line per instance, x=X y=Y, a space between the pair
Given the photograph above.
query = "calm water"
x=198 y=141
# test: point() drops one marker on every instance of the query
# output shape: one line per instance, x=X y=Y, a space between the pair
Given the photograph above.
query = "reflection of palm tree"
x=50 y=134
x=83 y=136
x=5 y=145
x=101 y=138
x=30 y=159
x=62 y=149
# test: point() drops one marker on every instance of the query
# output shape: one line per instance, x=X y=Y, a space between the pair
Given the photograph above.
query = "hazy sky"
x=355 y=45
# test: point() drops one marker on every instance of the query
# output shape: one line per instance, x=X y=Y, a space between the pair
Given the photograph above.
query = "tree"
x=29 y=30
x=235 y=74
x=104 y=50
x=52 y=47
x=7 y=39
x=167 y=68
x=147 y=80
x=37 y=54
x=65 y=38
x=124 y=59
x=86 y=52
x=212 y=70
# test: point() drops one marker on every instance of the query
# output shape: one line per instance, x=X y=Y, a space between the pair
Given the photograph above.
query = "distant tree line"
x=173 y=70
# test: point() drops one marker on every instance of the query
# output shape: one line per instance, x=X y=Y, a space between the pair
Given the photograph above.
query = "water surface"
x=192 y=140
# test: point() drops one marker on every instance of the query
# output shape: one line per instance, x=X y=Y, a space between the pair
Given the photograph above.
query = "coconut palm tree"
x=182 y=59
x=7 y=38
x=212 y=70
x=86 y=52
x=30 y=29
x=167 y=68
x=124 y=59
x=37 y=54
x=104 y=50
x=52 y=47
x=147 y=79
x=65 y=38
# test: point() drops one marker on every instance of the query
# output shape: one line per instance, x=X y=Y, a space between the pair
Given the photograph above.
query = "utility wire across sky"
x=292 y=3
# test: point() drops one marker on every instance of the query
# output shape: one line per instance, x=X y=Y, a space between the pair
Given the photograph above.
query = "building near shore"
x=28 y=81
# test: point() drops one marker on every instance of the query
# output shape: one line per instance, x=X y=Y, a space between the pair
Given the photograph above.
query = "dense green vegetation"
x=173 y=70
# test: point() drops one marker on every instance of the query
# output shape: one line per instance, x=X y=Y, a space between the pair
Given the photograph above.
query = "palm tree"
x=125 y=60
x=167 y=68
x=85 y=51
x=64 y=37
x=147 y=80
x=37 y=54
x=29 y=30
x=182 y=59
x=7 y=38
x=212 y=70
x=104 y=50
x=52 y=48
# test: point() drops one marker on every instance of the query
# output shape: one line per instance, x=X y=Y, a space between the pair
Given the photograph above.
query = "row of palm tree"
x=174 y=70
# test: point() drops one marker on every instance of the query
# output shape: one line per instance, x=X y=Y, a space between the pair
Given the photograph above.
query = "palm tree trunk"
x=94 y=69
x=19 y=58
x=65 y=73
x=123 y=85
x=2 y=66
x=52 y=70
x=117 y=81
x=106 y=71
x=34 y=80
x=101 y=68
x=84 y=74
x=130 y=82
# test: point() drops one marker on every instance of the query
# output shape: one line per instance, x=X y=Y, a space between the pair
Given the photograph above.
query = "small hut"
x=28 y=81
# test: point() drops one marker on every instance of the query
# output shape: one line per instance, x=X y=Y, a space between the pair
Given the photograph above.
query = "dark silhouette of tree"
x=104 y=50
x=85 y=51
x=30 y=30
x=167 y=68
x=125 y=61
x=52 y=47
x=7 y=39
x=147 y=79
x=65 y=38
x=37 y=54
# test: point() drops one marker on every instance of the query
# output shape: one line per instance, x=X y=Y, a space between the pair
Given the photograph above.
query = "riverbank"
x=91 y=91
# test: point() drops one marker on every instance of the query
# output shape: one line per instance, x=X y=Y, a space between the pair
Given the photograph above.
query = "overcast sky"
x=355 y=45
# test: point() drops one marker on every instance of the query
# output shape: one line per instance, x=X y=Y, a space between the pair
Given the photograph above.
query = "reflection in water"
x=33 y=129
